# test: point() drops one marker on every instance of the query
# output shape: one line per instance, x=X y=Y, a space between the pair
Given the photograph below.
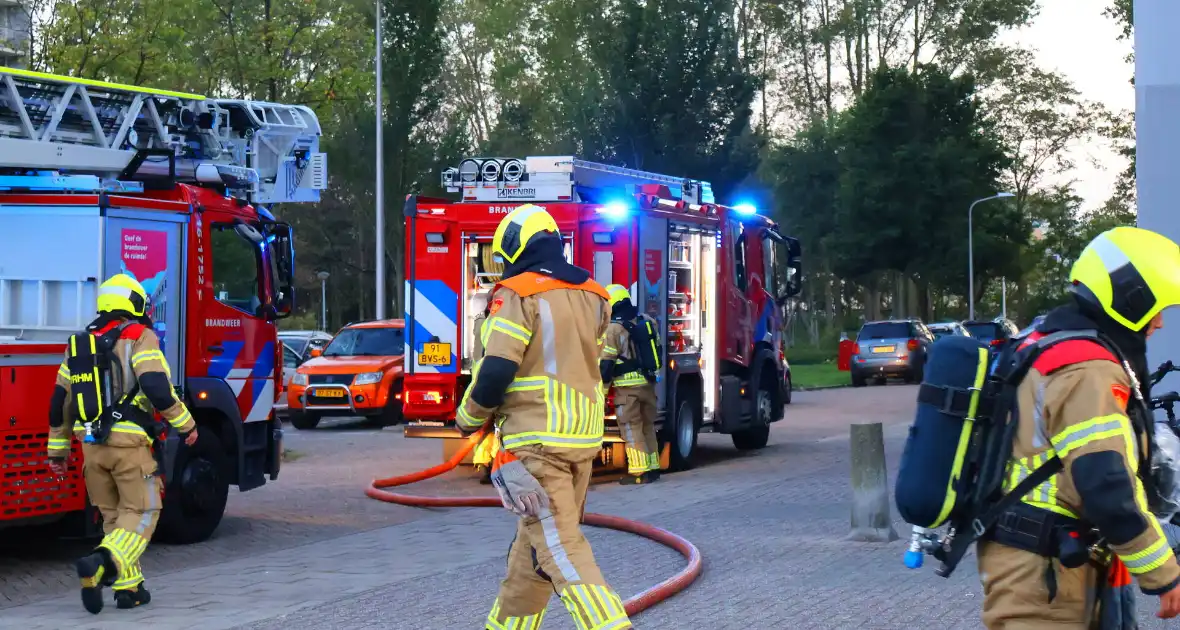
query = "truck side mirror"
x=794 y=283
x=280 y=242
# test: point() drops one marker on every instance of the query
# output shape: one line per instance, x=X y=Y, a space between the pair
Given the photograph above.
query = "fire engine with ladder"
x=714 y=277
x=99 y=178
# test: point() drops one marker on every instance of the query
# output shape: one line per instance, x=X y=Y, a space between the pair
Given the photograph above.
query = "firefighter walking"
x=1080 y=403
x=539 y=382
x=114 y=373
x=485 y=453
x=635 y=393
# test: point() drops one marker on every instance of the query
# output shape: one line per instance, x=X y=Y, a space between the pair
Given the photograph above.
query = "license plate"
x=330 y=393
x=435 y=354
x=883 y=349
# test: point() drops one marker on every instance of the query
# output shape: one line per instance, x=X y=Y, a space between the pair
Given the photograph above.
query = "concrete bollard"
x=871 y=516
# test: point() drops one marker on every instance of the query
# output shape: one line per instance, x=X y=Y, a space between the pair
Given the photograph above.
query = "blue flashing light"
x=747 y=209
x=616 y=210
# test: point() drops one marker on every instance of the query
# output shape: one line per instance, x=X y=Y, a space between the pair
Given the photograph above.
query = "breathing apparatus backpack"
x=91 y=362
x=645 y=348
x=955 y=457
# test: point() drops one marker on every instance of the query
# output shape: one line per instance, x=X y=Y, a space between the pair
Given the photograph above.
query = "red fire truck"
x=172 y=188
x=715 y=277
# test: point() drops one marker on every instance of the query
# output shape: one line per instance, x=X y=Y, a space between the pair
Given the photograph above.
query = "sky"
x=1075 y=39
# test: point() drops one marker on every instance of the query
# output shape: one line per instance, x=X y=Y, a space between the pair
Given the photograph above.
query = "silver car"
x=895 y=347
x=943 y=329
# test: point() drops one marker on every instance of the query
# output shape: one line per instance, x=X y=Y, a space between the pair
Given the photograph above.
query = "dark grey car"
x=888 y=348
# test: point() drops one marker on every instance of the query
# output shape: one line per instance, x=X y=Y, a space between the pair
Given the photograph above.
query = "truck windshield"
x=367 y=342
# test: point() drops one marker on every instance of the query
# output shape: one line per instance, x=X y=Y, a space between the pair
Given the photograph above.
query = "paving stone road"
x=310 y=551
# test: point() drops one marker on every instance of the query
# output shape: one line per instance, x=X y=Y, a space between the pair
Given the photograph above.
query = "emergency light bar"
x=559 y=178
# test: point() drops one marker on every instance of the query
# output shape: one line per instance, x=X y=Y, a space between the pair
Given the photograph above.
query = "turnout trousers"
x=1016 y=590
x=551 y=555
x=122 y=483
x=635 y=408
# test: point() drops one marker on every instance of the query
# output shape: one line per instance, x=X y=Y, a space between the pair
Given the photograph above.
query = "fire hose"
x=633 y=606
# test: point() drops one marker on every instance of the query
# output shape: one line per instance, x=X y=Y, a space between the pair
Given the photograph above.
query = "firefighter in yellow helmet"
x=538 y=381
x=1082 y=403
x=635 y=389
x=113 y=375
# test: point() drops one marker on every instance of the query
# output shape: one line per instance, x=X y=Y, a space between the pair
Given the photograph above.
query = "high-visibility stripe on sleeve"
x=512 y=329
x=179 y=421
x=63 y=371
x=466 y=419
x=1149 y=559
x=57 y=444
x=1089 y=431
x=147 y=355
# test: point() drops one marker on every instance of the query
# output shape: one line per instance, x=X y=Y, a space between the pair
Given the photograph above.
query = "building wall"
x=15 y=24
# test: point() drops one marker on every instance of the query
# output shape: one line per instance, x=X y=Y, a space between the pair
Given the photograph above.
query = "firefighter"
x=489 y=445
x=635 y=395
x=538 y=381
x=1080 y=403
x=113 y=421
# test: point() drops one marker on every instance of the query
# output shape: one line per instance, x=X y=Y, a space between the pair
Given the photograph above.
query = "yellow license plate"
x=435 y=354
x=883 y=349
x=330 y=393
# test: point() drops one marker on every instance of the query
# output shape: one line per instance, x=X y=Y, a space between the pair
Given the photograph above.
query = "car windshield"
x=942 y=331
x=367 y=342
x=885 y=330
x=983 y=331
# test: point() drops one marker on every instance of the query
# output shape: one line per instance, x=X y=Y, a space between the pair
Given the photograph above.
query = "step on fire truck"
x=714 y=277
x=172 y=188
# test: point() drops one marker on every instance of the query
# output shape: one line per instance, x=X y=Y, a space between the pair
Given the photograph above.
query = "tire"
x=683 y=432
x=305 y=421
x=194 y=499
x=880 y=380
x=857 y=380
x=787 y=390
x=751 y=439
x=391 y=416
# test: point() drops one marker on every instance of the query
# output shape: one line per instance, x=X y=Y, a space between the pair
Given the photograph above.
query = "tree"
x=914 y=151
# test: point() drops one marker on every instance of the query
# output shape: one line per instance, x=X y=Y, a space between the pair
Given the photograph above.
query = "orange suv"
x=358 y=374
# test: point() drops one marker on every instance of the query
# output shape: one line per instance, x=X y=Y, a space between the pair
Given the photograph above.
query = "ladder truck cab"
x=714 y=277
x=174 y=189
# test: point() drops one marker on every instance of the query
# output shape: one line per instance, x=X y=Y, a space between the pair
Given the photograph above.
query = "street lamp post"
x=380 y=310
x=323 y=276
x=971 y=252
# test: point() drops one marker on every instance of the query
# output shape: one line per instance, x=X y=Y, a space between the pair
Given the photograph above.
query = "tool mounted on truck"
x=172 y=188
x=713 y=277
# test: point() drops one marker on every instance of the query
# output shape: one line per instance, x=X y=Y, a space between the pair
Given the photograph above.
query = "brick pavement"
x=769 y=525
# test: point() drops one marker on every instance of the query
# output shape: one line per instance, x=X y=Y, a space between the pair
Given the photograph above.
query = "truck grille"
x=27 y=487
x=330 y=379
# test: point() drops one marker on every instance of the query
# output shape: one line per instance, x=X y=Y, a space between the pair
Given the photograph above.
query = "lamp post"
x=971 y=251
x=323 y=276
x=380 y=273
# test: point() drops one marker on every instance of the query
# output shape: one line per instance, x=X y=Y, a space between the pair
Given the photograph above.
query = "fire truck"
x=173 y=188
x=714 y=277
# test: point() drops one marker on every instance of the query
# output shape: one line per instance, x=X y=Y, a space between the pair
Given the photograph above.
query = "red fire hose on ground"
x=633 y=606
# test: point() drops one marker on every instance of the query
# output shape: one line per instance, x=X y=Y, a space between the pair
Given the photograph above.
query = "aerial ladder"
x=59 y=126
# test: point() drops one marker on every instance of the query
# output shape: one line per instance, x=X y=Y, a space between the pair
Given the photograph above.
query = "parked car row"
x=899 y=347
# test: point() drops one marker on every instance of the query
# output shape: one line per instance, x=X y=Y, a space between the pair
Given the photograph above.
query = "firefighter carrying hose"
x=113 y=374
x=630 y=358
x=1084 y=403
x=539 y=380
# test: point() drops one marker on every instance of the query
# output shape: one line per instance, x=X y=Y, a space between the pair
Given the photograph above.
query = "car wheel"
x=858 y=380
x=305 y=421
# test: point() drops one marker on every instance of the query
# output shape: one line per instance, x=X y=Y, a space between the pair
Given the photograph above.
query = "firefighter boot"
x=132 y=597
x=95 y=571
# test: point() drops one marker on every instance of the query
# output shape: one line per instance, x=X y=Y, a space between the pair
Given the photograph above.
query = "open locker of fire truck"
x=714 y=277
x=173 y=189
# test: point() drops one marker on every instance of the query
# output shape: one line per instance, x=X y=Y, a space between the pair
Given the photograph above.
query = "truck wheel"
x=305 y=421
x=194 y=500
x=787 y=387
x=751 y=439
x=682 y=433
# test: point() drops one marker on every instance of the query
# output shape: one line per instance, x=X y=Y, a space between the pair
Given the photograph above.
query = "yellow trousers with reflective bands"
x=635 y=408
x=551 y=555
x=122 y=484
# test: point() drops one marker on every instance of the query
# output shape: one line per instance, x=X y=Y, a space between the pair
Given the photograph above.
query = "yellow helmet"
x=121 y=292
x=518 y=228
x=1131 y=273
x=617 y=293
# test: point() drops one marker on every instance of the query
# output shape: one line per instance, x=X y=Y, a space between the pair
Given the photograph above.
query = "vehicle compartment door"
x=149 y=246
